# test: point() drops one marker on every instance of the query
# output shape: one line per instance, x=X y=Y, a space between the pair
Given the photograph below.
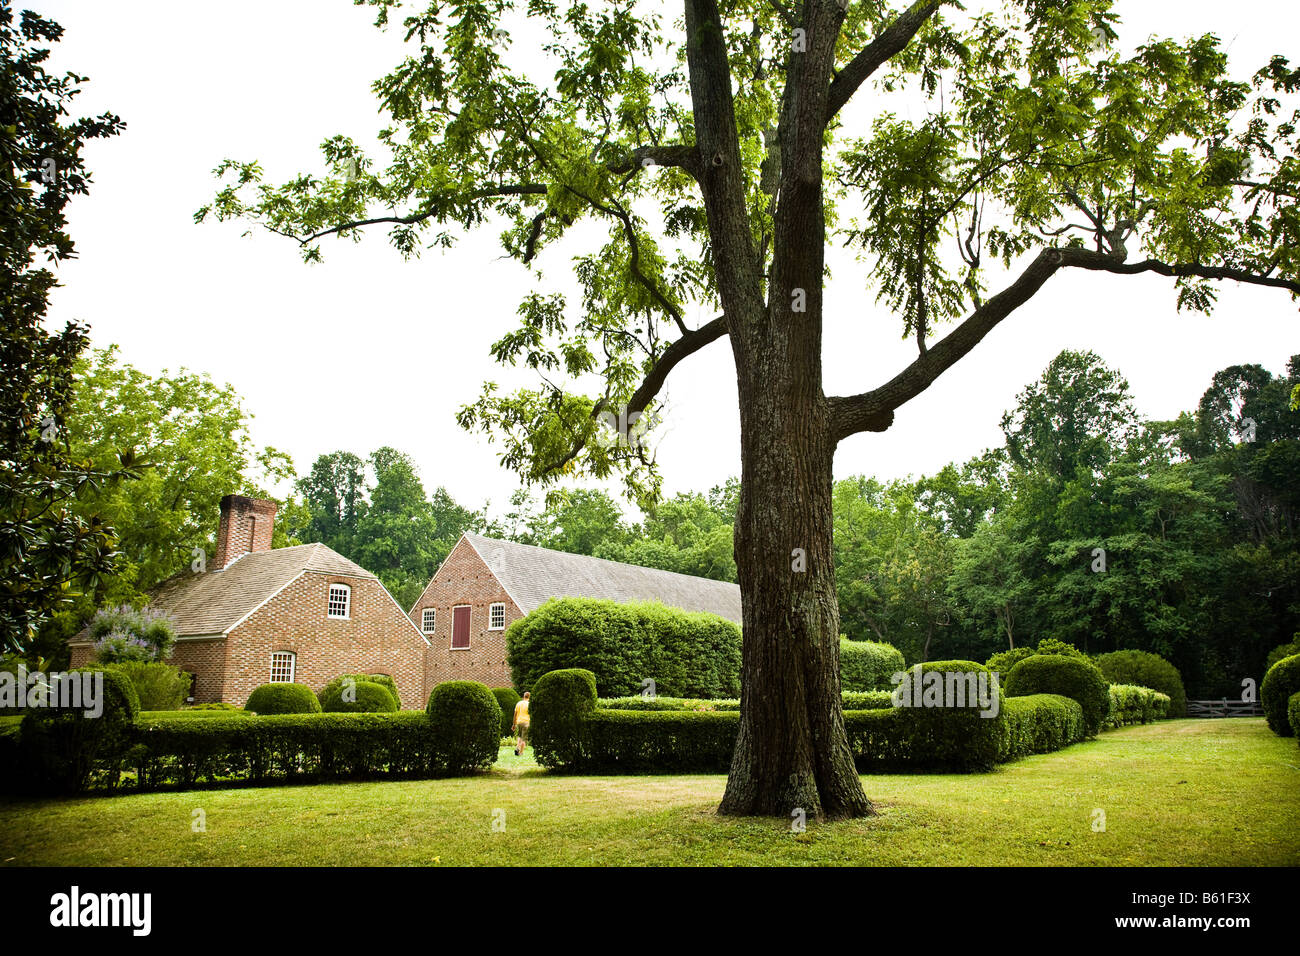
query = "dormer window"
x=340 y=600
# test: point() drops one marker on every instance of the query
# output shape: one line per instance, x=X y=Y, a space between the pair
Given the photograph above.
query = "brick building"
x=486 y=583
x=304 y=614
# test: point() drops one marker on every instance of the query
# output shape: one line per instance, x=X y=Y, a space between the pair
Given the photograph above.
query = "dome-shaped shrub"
x=465 y=721
x=1071 y=677
x=61 y=746
x=561 y=700
x=507 y=699
x=868 y=665
x=1146 y=670
x=382 y=679
x=1281 y=681
x=282 y=698
x=351 y=696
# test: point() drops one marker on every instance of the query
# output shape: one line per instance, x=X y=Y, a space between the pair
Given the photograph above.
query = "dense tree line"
x=1094 y=527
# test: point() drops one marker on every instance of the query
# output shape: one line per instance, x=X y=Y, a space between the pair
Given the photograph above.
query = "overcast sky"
x=367 y=350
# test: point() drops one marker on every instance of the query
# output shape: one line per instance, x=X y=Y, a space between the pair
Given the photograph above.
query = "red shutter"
x=459 y=627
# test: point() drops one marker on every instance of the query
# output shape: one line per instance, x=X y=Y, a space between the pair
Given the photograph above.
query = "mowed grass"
x=1187 y=792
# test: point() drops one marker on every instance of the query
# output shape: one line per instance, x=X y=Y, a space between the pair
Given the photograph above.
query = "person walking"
x=520 y=725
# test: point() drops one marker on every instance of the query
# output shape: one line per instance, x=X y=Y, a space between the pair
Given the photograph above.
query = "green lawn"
x=1186 y=792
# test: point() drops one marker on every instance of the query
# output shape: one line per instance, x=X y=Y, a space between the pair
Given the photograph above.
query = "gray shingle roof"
x=533 y=575
x=216 y=601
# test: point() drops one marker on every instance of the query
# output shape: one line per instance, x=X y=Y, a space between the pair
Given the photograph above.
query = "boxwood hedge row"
x=1131 y=704
x=458 y=734
x=571 y=732
x=686 y=654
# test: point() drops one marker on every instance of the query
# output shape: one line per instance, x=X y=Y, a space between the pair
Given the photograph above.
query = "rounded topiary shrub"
x=465 y=723
x=1293 y=714
x=1146 y=670
x=84 y=727
x=1002 y=662
x=946 y=715
x=561 y=701
x=349 y=696
x=506 y=699
x=868 y=665
x=382 y=679
x=1281 y=681
x=283 y=698
x=1073 y=677
x=1281 y=651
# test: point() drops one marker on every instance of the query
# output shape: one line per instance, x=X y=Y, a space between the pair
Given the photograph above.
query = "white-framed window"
x=340 y=600
x=428 y=619
x=496 y=617
x=282 y=664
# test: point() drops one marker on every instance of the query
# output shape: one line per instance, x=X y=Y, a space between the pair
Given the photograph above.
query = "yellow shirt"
x=521 y=713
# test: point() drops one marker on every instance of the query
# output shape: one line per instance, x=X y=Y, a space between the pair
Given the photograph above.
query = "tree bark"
x=792 y=752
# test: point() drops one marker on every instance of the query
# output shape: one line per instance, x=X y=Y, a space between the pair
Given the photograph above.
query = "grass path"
x=1188 y=792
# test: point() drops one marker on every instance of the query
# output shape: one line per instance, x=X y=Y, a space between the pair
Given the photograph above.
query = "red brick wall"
x=375 y=639
x=465 y=579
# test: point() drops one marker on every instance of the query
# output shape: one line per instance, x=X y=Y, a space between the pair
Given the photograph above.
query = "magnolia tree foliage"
x=714 y=144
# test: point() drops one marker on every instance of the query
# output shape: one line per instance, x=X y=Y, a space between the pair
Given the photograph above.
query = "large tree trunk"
x=792 y=752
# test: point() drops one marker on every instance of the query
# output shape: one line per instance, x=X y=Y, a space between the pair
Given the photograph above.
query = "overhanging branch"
x=874 y=410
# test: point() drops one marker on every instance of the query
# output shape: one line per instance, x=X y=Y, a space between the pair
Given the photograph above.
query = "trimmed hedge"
x=895 y=739
x=561 y=701
x=868 y=665
x=1146 y=670
x=280 y=698
x=686 y=654
x=1281 y=681
x=1071 y=677
x=853 y=700
x=368 y=697
x=192 y=714
x=1293 y=714
x=60 y=748
x=1130 y=704
x=382 y=680
x=282 y=747
x=466 y=726
x=1039 y=724
x=666 y=703
x=507 y=699
x=629 y=741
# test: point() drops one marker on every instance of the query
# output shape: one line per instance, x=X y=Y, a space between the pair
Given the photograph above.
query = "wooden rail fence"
x=1224 y=708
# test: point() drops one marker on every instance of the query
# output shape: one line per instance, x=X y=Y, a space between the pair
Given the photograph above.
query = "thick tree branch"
x=722 y=178
x=874 y=410
x=681 y=157
x=876 y=54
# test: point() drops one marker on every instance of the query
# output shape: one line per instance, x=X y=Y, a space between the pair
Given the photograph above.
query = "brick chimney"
x=246 y=525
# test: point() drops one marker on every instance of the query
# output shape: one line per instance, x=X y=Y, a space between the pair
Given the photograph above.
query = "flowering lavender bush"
x=129 y=634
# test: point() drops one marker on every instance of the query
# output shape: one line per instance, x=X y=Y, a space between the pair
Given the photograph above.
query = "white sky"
x=367 y=350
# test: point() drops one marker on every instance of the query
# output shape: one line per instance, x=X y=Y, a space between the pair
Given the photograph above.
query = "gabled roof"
x=214 y=602
x=533 y=575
